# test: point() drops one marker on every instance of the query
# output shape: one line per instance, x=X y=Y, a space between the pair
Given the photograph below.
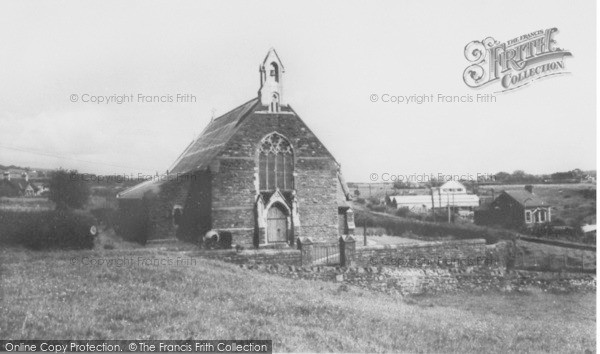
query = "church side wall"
x=193 y=194
x=160 y=208
x=196 y=219
x=233 y=199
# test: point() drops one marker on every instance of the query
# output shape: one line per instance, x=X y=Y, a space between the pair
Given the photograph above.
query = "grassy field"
x=56 y=295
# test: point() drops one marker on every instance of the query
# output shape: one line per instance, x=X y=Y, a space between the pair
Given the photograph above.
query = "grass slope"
x=47 y=295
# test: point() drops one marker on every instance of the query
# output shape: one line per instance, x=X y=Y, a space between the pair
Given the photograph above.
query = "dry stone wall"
x=407 y=281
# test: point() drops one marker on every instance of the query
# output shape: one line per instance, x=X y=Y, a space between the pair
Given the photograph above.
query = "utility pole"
x=432 y=204
x=453 y=203
x=448 y=206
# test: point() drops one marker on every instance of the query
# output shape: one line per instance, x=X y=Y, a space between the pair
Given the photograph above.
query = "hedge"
x=398 y=226
x=49 y=229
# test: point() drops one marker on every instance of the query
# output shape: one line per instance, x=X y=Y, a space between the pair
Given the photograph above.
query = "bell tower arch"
x=271 y=82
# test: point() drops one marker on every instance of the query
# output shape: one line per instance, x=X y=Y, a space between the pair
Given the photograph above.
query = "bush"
x=105 y=216
x=377 y=208
x=47 y=229
x=403 y=212
x=374 y=201
x=68 y=189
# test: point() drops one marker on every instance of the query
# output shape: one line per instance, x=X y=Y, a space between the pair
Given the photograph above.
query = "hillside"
x=52 y=295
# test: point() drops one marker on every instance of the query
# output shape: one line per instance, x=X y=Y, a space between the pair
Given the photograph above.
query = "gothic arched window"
x=274 y=107
x=275 y=163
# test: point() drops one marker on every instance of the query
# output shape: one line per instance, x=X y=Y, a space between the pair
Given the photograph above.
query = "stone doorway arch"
x=277 y=224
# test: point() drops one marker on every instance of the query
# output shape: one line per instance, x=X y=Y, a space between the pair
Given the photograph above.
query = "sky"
x=337 y=55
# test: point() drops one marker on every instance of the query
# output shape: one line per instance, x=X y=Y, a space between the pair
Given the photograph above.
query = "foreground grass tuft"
x=48 y=295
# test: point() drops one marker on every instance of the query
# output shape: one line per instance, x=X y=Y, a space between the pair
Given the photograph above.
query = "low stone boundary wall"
x=406 y=281
x=439 y=254
x=288 y=257
x=446 y=254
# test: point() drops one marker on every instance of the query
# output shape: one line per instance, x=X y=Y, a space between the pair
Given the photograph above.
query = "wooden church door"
x=276 y=225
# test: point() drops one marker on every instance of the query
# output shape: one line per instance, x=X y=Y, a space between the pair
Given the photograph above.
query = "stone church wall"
x=233 y=199
x=316 y=182
x=314 y=170
x=224 y=197
x=160 y=208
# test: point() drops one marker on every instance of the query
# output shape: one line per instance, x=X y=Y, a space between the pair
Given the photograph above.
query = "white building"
x=452 y=193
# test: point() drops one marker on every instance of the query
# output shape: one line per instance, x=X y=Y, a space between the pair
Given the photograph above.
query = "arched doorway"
x=277 y=224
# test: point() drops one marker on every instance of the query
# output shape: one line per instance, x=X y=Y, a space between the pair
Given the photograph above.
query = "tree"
x=68 y=189
x=502 y=176
x=399 y=185
x=388 y=200
x=518 y=175
x=577 y=173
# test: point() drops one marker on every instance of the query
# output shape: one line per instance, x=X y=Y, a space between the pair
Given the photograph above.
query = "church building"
x=257 y=173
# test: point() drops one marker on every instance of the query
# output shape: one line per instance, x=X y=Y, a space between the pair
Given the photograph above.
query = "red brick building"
x=257 y=172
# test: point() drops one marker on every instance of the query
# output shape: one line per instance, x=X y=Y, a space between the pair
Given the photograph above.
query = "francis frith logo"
x=516 y=62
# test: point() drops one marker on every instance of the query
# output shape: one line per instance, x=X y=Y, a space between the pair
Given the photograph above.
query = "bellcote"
x=271 y=82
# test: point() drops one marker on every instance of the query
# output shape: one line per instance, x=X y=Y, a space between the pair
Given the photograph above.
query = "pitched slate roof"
x=212 y=139
x=525 y=198
x=139 y=190
x=200 y=152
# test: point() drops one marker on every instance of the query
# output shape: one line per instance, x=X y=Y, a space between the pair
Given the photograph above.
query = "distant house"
x=519 y=208
x=453 y=187
x=588 y=179
x=11 y=175
x=451 y=194
x=30 y=190
x=40 y=188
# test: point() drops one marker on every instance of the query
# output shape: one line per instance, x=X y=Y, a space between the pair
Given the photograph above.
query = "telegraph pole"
x=448 y=206
x=432 y=204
